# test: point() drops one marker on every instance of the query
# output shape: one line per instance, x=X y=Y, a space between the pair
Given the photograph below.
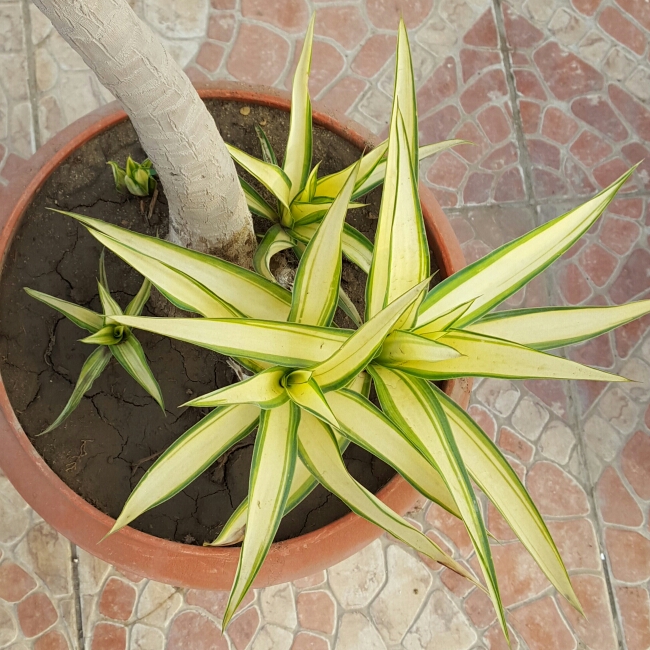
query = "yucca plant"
x=114 y=340
x=137 y=178
x=301 y=198
x=308 y=396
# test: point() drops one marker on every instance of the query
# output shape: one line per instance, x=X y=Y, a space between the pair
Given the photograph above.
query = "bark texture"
x=207 y=207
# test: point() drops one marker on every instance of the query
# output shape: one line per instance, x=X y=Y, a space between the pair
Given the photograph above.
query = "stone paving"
x=556 y=96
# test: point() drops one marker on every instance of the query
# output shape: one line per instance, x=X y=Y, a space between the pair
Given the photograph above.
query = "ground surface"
x=556 y=93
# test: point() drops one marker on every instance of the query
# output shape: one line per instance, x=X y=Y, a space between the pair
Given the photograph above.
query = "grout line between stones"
x=76 y=588
x=512 y=91
x=31 y=71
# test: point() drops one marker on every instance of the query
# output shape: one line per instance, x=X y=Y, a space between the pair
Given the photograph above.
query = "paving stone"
x=272 y=637
x=447 y=170
x=556 y=442
x=35 y=614
x=222 y=26
x=8 y=630
x=210 y=56
x=373 y=55
x=313 y=580
x=498 y=395
x=144 y=637
x=440 y=625
x=555 y=492
x=596 y=628
x=52 y=640
x=344 y=93
x=316 y=611
x=495 y=639
x=542 y=627
x=117 y=600
x=242 y=629
x=279 y=606
x=345 y=25
x=399 y=601
x=510 y=442
x=50 y=117
x=635 y=462
x=629 y=554
x=473 y=61
x=357 y=580
x=529 y=418
x=484 y=32
x=495 y=124
x=306 y=641
x=617 y=409
x=258 y=55
x=634 y=605
x=187 y=19
x=482 y=416
x=530 y=115
x=619 y=235
x=602 y=438
x=92 y=572
x=107 y=636
x=15 y=583
x=638 y=84
x=451 y=527
x=41 y=25
x=567 y=26
x=593 y=48
x=158 y=603
x=47 y=554
x=488 y=88
x=441 y=85
x=524 y=578
x=77 y=95
x=356 y=632
x=46 y=70
x=576 y=541
x=480 y=609
x=65 y=56
x=191 y=629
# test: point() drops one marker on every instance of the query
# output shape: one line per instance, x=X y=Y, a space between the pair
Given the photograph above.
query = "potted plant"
x=305 y=382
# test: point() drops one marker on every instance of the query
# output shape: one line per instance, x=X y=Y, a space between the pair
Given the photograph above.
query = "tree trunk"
x=207 y=208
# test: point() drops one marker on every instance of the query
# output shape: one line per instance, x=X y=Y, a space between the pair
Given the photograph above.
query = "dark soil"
x=117 y=431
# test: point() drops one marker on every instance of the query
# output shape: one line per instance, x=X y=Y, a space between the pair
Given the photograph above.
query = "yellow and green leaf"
x=80 y=316
x=275 y=240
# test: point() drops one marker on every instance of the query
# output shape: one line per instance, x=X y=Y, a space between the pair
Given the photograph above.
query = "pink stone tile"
x=483 y=418
x=514 y=444
x=542 y=627
x=214 y=602
x=310 y=581
x=498 y=526
x=327 y=64
x=555 y=492
x=494 y=123
x=635 y=462
x=528 y=85
x=629 y=555
x=117 y=600
x=632 y=280
x=288 y=15
x=630 y=208
x=223 y=4
x=221 y=27
x=496 y=641
x=447 y=170
x=471 y=152
x=487 y=89
x=610 y=171
x=210 y=56
x=634 y=605
x=558 y=126
x=521 y=34
x=52 y=640
x=196 y=75
x=544 y=153
x=510 y=187
x=15 y=583
x=566 y=74
x=587 y=7
x=634 y=153
x=597 y=112
x=596 y=628
x=316 y=611
x=619 y=235
x=442 y=84
x=345 y=25
x=385 y=14
x=438 y=127
x=572 y=284
x=458 y=585
x=479 y=608
x=622 y=29
x=637 y=9
x=598 y=264
x=344 y=93
x=522 y=578
x=258 y=55
x=547 y=184
x=451 y=527
x=242 y=629
x=590 y=149
x=483 y=32
x=629 y=335
x=477 y=188
x=191 y=629
x=617 y=506
x=577 y=178
x=107 y=636
x=530 y=115
x=473 y=61
x=374 y=54
x=576 y=541
x=35 y=614
x=637 y=115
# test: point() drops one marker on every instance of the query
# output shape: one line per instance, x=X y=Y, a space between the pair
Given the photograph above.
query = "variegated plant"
x=137 y=178
x=308 y=394
x=301 y=198
x=114 y=340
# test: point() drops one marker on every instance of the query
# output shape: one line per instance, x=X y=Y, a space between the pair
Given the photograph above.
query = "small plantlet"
x=137 y=178
x=308 y=394
x=113 y=339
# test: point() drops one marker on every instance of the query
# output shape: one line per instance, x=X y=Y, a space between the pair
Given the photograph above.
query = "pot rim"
x=140 y=553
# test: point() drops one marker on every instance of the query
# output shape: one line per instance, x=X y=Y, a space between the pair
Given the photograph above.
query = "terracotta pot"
x=158 y=559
